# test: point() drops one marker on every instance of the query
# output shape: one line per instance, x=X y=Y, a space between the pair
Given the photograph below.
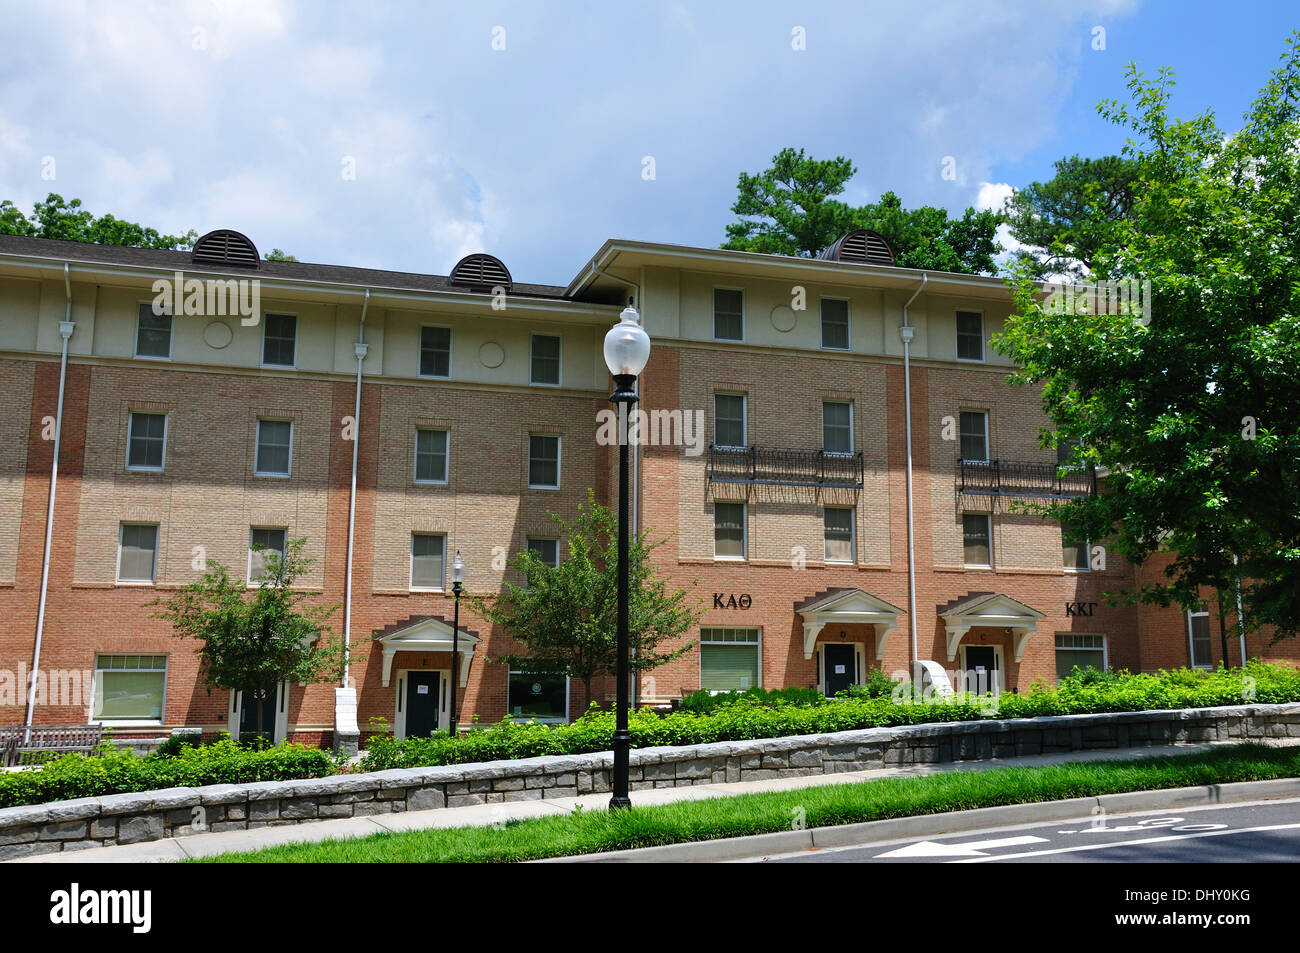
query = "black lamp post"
x=457 y=579
x=627 y=349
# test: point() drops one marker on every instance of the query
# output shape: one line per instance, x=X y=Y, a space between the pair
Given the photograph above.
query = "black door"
x=250 y=702
x=421 y=704
x=841 y=667
x=982 y=670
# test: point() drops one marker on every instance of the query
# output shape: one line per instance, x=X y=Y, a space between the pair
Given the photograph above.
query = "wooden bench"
x=21 y=745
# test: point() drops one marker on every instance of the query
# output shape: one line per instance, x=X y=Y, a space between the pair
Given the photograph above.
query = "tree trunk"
x=1223 y=628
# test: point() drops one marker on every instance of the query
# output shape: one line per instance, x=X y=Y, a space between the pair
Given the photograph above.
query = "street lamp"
x=457 y=579
x=627 y=349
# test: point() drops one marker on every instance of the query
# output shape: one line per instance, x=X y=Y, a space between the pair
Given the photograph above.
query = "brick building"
x=229 y=421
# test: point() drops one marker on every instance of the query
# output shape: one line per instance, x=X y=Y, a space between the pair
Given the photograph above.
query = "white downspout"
x=1241 y=619
x=905 y=332
x=345 y=697
x=66 y=327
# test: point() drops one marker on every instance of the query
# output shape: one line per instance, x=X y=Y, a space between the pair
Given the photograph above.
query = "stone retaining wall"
x=179 y=812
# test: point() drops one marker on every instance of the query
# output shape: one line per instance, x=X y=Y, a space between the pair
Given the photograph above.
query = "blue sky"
x=232 y=113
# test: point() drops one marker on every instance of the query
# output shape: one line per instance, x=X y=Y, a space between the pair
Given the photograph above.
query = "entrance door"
x=421 y=703
x=841 y=667
x=982 y=673
x=253 y=702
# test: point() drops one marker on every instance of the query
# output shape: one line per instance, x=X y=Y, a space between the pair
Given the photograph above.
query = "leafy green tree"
x=566 y=617
x=68 y=221
x=790 y=209
x=1074 y=215
x=276 y=254
x=1195 y=414
x=255 y=639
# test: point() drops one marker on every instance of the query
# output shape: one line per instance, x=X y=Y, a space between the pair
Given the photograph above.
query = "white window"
x=838 y=524
x=1081 y=649
x=545 y=364
x=435 y=352
x=543 y=461
x=430 y=456
x=153 y=334
x=835 y=324
x=729 y=530
x=146 y=441
x=428 y=559
x=262 y=541
x=279 y=340
x=137 y=558
x=729 y=660
x=729 y=420
x=977 y=540
x=837 y=427
x=728 y=314
x=274 y=447
x=1198 y=637
x=975 y=436
x=1074 y=554
x=970 y=336
x=130 y=687
x=541 y=697
x=547 y=550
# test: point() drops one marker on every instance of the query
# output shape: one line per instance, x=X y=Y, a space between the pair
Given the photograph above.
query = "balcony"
x=1024 y=480
x=768 y=466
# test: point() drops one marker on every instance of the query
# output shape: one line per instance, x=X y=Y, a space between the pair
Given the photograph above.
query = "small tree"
x=566 y=617
x=254 y=639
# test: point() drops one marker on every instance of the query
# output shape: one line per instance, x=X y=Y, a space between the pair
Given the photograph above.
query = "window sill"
x=272 y=476
x=985 y=567
x=149 y=357
x=438 y=591
x=729 y=559
x=544 y=384
x=431 y=482
x=127 y=723
x=131 y=469
x=136 y=583
x=434 y=377
x=533 y=486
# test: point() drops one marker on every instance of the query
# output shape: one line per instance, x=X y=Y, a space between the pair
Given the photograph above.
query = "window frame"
x=1191 y=638
x=171 y=334
x=848 y=323
x=97 y=692
x=559 y=460
x=1105 y=647
x=559 y=360
x=568 y=689
x=121 y=545
x=957 y=336
x=853 y=536
x=988 y=448
x=744 y=420
x=744 y=531
x=758 y=653
x=1087 y=555
x=988 y=523
x=852 y=443
x=257 y=445
x=266 y=327
x=284 y=530
x=714 y=309
x=130 y=428
x=410 y=581
x=446 y=457
x=419 y=353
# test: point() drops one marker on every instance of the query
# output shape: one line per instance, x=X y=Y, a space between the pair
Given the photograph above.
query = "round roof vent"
x=225 y=247
x=862 y=246
x=480 y=271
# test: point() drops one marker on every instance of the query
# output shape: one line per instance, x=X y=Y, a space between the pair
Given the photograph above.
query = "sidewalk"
x=486 y=815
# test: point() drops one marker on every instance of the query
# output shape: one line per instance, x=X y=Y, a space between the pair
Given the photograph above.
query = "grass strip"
x=593 y=831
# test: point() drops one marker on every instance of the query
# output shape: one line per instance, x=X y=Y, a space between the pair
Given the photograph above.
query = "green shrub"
x=702 y=701
x=877 y=685
x=175 y=744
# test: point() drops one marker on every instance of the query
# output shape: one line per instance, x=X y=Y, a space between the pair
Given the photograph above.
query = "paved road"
x=1252 y=832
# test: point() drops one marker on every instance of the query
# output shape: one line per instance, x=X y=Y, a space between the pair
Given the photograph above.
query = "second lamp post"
x=457 y=580
x=627 y=349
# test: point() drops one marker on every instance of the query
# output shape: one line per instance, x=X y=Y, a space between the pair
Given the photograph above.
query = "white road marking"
x=929 y=848
x=1129 y=843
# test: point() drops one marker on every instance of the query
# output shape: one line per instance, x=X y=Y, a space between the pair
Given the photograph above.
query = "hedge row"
x=750 y=717
x=222 y=762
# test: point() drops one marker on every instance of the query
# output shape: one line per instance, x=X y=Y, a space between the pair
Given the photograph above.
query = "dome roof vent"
x=225 y=247
x=480 y=272
x=862 y=246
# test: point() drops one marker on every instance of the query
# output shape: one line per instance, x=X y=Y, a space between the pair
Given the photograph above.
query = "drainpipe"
x=66 y=327
x=905 y=332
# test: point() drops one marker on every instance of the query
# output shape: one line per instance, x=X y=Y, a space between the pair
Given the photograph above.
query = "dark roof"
x=287 y=270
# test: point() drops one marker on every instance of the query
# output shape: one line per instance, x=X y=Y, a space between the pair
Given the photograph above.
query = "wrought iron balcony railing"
x=768 y=466
x=1019 y=479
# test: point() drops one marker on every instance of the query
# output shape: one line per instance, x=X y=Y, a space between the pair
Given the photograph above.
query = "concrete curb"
x=952 y=822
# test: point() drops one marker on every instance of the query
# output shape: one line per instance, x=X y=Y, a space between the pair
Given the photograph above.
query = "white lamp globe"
x=627 y=346
x=458 y=568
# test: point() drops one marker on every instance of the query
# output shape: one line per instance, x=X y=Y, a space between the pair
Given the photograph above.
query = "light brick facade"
x=207 y=496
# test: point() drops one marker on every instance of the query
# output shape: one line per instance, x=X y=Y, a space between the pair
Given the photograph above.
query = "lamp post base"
x=622 y=748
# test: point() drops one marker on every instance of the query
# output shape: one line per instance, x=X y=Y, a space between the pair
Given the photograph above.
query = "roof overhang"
x=990 y=609
x=428 y=634
x=848 y=606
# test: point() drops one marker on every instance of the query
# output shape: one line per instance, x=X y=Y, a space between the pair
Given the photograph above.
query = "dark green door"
x=421 y=704
x=250 y=703
x=841 y=667
x=981 y=670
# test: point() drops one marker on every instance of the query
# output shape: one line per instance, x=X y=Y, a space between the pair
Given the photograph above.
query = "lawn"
x=588 y=831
